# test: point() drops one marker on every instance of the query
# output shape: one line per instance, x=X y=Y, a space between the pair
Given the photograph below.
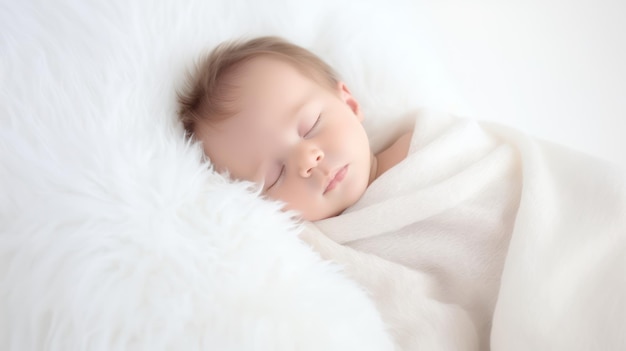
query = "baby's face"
x=302 y=142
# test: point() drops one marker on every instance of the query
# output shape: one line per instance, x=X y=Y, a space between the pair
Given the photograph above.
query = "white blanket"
x=495 y=226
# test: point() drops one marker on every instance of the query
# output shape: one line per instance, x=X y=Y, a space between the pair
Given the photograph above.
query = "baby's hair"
x=209 y=93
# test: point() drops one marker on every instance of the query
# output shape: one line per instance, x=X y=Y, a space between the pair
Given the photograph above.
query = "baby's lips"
x=337 y=177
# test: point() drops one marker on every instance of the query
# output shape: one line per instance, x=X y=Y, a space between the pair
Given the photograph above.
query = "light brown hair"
x=208 y=95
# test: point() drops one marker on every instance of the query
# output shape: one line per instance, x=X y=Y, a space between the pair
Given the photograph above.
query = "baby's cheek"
x=290 y=202
x=355 y=190
x=307 y=209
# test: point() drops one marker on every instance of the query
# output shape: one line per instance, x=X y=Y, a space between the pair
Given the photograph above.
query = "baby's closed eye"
x=310 y=125
x=275 y=173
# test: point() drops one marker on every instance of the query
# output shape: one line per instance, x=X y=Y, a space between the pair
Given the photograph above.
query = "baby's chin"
x=330 y=215
x=326 y=213
x=319 y=215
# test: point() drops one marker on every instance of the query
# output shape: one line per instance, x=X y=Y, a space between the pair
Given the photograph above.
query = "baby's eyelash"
x=282 y=170
x=314 y=124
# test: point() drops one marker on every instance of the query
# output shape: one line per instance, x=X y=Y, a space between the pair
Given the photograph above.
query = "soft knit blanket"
x=504 y=239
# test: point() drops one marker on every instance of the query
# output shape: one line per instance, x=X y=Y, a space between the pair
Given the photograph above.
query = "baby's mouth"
x=336 y=178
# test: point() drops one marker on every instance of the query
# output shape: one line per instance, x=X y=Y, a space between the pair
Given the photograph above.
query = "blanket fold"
x=492 y=215
x=564 y=280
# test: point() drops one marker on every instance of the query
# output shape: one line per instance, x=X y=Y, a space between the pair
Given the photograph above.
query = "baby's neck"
x=390 y=156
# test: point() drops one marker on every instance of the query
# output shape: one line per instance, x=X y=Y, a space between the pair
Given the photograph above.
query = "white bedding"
x=114 y=232
x=447 y=210
x=489 y=214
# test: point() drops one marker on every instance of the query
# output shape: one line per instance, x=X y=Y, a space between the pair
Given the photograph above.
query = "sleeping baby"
x=449 y=218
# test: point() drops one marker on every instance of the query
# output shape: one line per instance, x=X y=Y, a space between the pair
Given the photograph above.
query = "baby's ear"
x=346 y=96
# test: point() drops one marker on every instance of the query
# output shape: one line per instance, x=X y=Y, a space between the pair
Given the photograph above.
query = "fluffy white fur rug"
x=115 y=234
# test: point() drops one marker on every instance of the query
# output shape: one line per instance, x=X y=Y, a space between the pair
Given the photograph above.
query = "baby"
x=427 y=224
x=271 y=112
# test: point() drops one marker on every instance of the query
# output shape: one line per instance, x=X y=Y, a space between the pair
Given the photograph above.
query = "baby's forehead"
x=268 y=83
x=262 y=69
x=266 y=71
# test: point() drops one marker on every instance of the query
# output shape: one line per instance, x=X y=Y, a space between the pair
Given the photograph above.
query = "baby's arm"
x=404 y=298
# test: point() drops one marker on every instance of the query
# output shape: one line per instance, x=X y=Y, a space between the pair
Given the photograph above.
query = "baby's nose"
x=308 y=159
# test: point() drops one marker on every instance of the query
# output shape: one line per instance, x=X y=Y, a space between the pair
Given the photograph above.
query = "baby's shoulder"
x=395 y=153
x=404 y=142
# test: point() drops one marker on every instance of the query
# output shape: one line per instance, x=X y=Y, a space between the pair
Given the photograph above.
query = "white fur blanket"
x=114 y=232
x=448 y=212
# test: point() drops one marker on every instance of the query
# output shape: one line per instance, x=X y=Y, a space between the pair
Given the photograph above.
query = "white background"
x=555 y=69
